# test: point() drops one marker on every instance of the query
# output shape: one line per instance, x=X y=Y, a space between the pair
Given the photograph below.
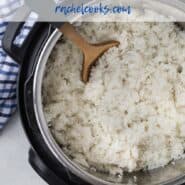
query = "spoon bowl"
x=91 y=52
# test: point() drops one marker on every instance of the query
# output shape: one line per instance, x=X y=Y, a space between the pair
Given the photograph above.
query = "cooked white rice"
x=131 y=114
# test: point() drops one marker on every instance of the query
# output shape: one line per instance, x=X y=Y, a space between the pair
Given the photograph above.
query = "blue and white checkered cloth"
x=8 y=67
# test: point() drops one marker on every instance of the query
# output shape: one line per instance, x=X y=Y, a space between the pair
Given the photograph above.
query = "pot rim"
x=43 y=127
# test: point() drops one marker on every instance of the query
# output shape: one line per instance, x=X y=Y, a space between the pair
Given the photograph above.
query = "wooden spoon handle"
x=69 y=31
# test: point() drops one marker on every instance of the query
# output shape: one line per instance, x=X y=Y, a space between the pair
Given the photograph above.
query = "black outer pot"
x=40 y=157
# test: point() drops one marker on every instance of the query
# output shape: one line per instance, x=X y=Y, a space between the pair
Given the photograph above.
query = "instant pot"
x=45 y=156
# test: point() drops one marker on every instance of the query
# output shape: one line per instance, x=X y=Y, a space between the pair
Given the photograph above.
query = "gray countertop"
x=14 y=166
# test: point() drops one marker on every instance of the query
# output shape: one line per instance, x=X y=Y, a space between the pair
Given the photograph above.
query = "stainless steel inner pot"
x=171 y=174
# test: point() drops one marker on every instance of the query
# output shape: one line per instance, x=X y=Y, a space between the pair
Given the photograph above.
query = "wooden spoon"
x=91 y=51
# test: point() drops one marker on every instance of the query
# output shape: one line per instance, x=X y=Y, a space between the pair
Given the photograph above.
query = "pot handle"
x=43 y=170
x=49 y=176
x=13 y=29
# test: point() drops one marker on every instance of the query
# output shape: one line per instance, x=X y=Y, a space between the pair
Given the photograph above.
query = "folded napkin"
x=8 y=67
